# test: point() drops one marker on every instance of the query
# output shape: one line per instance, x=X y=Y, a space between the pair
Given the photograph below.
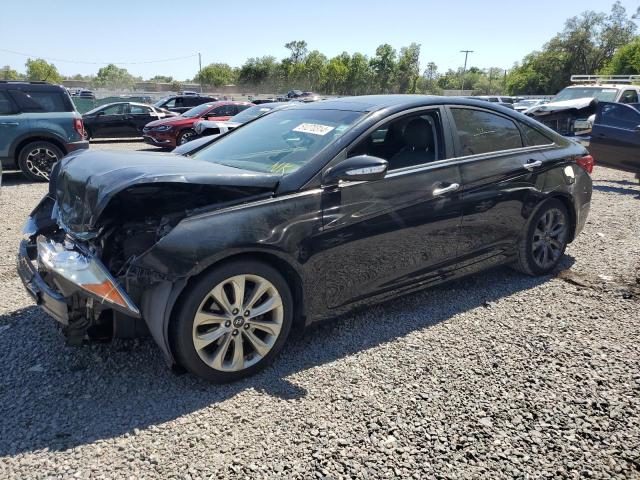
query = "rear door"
x=11 y=123
x=499 y=173
x=615 y=137
x=111 y=121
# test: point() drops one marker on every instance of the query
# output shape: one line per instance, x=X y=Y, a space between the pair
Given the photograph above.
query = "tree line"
x=592 y=42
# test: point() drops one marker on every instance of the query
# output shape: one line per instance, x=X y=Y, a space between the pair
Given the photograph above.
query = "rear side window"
x=629 y=96
x=482 y=132
x=533 y=136
x=32 y=101
x=139 y=109
x=5 y=104
x=619 y=115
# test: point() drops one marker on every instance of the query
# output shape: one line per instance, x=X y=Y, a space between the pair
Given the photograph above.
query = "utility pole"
x=464 y=69
x=200 y=70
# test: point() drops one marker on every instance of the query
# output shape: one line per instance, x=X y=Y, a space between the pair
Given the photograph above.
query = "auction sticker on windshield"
x=314 y=128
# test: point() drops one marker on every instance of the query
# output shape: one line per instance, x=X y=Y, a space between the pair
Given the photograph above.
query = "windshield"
x=198 y=111
x=161 y=101
x=601 y=93
x=526 y=103
x=250 y=113
x=281 y=142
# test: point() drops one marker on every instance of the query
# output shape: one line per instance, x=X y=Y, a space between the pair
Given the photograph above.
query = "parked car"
x=82 y=93
x=527 y=103
x=210 y=127
x=572 y=111
x=259 y=101
x=121 y=119
x=300 y=215
x=39 y=124
x=615 y=137
x=169 y=132
x=500 y=100
x=182 y=103
x=294 y=93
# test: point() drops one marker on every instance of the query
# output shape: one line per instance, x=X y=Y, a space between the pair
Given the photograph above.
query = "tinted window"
x=30 y=101
x=404 y=142
x=197 y=111
x=619 y=115
x=629 y=96
x=482 y=132
x=533 y=136
x=192 y=101
x=139 y=109
x=224 y=111
x=117 y=109
x=5 y=104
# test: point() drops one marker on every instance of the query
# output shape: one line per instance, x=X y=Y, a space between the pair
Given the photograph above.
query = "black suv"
x=39 y=125
x=182 y=103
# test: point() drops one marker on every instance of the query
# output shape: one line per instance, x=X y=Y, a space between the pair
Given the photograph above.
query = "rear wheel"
x=545 y=240
x=233 y=321
x=36 y=160
x=186 y=136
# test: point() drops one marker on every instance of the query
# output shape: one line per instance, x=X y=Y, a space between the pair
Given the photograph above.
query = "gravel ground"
x=495 y=376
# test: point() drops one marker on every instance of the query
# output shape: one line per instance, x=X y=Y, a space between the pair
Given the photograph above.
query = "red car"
x=174 y=131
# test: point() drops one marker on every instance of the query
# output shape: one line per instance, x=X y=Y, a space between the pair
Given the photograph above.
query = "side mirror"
x=361 y=168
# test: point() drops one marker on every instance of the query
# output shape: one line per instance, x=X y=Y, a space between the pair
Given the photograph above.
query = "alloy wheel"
x=40 y=161
x=549 y=238
x=186 y=137
x=237 y=323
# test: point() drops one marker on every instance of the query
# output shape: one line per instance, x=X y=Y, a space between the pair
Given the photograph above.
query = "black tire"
x=87 y=133
x=529 y=261
x=182 y=330
x=186 y=136
x=36 y=157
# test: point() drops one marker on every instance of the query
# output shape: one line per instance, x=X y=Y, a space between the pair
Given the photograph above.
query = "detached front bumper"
x=68 y=282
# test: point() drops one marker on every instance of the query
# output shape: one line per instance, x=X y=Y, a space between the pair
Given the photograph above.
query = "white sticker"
x=314 y=128
x=264 y=109
x=609 y=90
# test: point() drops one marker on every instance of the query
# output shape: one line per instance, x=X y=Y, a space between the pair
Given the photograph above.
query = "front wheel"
x=232 y=322
x=36 y=160
x=186 y=136
x=545 y=239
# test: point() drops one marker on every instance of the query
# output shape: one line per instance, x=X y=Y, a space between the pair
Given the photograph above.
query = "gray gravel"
x=495 y=376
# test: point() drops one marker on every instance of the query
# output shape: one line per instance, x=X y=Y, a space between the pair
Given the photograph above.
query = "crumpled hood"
x=575 y=104
x=85 y=183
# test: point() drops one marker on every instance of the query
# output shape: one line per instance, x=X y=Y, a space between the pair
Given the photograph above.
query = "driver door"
x=397 y=233
x=615 y=136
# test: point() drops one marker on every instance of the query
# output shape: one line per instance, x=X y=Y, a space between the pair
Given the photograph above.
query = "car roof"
x=373 y=103
x=33 y=86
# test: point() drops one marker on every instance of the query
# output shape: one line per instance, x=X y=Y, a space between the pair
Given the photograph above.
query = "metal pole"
x=200 y=70
x=464 y=69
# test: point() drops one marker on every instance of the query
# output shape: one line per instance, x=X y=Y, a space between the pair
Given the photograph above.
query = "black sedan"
x=299 y=215
x=121 y=119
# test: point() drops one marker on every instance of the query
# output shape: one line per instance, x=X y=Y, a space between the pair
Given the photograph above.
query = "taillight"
x=78 y=126
x=586 y=163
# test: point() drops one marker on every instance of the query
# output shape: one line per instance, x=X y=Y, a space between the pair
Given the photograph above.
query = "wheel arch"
x=569 y=205
x=21 y=142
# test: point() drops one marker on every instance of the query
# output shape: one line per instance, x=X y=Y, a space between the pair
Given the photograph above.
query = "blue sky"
x=499 y=32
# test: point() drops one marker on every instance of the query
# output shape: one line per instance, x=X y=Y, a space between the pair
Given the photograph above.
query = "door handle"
x=531 y=164
x=9 y=124
x=449 y=188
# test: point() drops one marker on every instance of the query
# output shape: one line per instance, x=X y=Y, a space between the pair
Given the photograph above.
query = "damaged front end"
x=568 y=118
x=81 y=243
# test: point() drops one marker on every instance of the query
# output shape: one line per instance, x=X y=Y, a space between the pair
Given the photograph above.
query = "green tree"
x=43 y=71
x=217 y=75
x=260 y=71
x=298 y=50
x=8 y=73
x=428 y=82
x=337 y=74
x=161 y=79
x=315 y=65
x=626 y=60
x=360 y=75
x=112 y=76
x=408 y=69
x=384 y=67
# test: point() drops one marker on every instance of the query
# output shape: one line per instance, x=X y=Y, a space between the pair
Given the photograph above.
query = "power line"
x=50 y=59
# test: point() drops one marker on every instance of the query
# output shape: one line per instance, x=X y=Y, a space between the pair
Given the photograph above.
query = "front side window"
x=619 y=115
x=482 y=132
x=224 y=111
x=407 y=141
x=117 y=109
x=281 y=142
x=629 y=96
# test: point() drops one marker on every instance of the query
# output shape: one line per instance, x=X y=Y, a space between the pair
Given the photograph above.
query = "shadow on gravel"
x=620 y=190
x=57 y=397
x=12 y=178
x=106 y=141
